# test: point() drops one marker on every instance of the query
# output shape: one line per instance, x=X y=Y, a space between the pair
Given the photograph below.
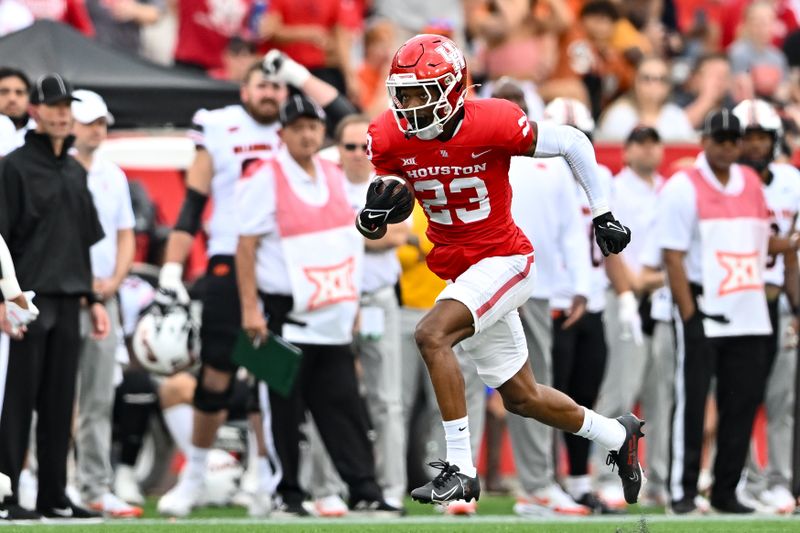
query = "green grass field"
x=495 y=516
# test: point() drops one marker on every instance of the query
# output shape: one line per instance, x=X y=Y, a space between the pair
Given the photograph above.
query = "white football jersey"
x=231 y=137
x=598 y=281
x=783 y=201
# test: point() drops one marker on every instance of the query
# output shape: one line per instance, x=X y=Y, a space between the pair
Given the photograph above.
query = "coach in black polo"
x=48 y=219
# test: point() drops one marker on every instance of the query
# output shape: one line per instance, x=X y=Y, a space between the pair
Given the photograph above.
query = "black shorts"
x=221 y=314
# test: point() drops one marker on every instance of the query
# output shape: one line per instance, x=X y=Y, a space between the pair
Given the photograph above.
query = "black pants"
x=41 y=373
x=326 y=386
x=579 y=363
x=739 y=364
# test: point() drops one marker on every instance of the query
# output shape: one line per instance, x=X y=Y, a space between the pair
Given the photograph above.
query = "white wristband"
x=171 y=275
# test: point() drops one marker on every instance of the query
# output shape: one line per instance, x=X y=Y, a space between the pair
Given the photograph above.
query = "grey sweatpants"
x=95 y=405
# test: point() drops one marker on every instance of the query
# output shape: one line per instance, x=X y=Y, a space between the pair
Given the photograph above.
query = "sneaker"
x=447 y=486
x=731 y=506
x=596 y=505
x=113 y=507
x=69 y=510
x=548 y=501
x=259 y=505
x=702 y=504
x=27 y=489
x=126 y=486
x=612 y=496
x=180 y=499
x=289 y=510
x=13 y=511
x=627 y=458
x=375 y=508
x=684 y=507
x=461 y=508
x=330 y=506
x=779 y=498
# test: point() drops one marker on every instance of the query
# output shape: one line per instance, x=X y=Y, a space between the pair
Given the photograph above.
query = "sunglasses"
x=351 y=147
x=649 y=78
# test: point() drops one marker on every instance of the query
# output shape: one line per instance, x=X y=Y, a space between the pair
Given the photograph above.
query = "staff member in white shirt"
x=378 y=340
x=299 y=263
x=635 y=190
x=111 y=258
x=713 y=228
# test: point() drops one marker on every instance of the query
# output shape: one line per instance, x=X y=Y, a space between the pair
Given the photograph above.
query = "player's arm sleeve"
x=255 y=202
x=676 y=214
x=571 y=144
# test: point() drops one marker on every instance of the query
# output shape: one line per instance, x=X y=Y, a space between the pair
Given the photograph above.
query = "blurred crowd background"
x=663 y=63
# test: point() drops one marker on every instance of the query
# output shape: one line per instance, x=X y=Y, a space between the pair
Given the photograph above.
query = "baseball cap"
x=89 y=106
x=50 y=89
x=641 y=134
x=297 y=106
x=721 y=122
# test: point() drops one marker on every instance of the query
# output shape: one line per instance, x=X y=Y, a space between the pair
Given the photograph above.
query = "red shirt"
x=461 y=183
x=204 y=28
x=325 y=13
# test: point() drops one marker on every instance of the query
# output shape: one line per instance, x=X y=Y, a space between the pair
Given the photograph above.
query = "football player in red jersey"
x=456 y=155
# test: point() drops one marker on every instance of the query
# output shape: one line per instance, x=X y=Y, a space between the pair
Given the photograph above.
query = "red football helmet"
x=431 y=62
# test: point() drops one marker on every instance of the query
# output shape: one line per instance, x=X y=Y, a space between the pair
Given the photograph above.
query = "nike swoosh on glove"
x=612 y=237
x=18 y=316
x=386 y=207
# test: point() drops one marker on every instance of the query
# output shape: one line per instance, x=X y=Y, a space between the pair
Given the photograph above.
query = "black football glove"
x=612 y=237
x=384 y=208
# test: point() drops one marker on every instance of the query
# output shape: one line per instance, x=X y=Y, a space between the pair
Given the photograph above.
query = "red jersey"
x=324 y=13
x=462 y=183
x=205 y=27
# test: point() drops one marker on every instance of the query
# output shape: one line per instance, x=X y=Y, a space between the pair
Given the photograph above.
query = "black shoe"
x=597 y=505
x=375 y=507
x=70 y=511
x=627 y=458
x=684 y=506
x=12 y=511
x=732 y=506
x=449 y=485
x=290 y=510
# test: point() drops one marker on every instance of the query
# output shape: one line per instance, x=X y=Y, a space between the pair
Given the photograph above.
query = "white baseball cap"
x=89 y=107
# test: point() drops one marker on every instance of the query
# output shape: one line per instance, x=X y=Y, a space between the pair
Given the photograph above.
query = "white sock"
x=180 y=422
x=606 y=432
x=196 y=461
x=265 y=484
x=459 y=450
x=577 y=486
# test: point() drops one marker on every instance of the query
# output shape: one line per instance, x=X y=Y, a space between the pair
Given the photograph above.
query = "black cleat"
x=69 y=511
x=448 y=485
x=627 y=458
x=13 y=511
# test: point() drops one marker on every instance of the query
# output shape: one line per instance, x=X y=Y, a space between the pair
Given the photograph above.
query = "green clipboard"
x=275 y=362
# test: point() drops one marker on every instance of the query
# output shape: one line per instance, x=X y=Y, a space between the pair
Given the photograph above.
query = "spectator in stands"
x=708 y=88
x=647 y=105
x=238 y=57
x=521 y=39
x=14 y=98
x=117 y=23
x=72 y=12
x=204 y=29
x=378 y=52
x=14 y=16
x=314 y=33
x=410 y=17
x=759 y=68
